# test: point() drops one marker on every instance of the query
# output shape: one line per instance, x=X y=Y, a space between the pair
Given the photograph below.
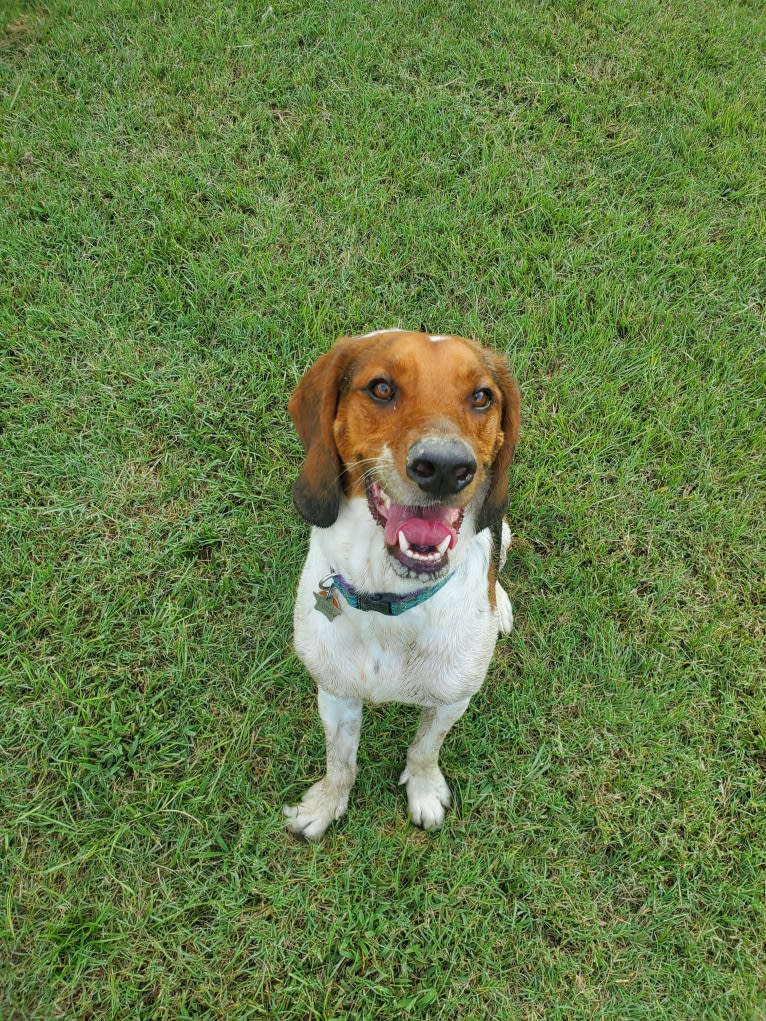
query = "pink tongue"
x=429 y=530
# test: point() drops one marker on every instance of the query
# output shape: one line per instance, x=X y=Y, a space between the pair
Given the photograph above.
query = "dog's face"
x=421 y=426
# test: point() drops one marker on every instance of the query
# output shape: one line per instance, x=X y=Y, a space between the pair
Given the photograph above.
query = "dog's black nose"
x=441 y=467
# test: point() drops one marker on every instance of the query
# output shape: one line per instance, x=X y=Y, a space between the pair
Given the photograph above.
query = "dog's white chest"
x=436 y=653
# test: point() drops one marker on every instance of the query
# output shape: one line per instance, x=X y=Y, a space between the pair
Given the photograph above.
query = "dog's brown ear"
x=312 y=407
x=496 y=501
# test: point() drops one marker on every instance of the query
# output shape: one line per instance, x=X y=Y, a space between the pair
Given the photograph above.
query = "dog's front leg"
x=326 y=801
x=428 y=795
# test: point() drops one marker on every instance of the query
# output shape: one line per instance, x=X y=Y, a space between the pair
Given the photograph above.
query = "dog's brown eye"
x=481 y=399
x=381 y=390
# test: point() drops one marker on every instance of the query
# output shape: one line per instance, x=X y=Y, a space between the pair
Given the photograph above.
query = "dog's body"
x=408 y=438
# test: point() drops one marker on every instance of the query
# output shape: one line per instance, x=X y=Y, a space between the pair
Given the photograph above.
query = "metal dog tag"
x=325 y=603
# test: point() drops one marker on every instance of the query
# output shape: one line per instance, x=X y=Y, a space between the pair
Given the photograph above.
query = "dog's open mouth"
x=418 y=538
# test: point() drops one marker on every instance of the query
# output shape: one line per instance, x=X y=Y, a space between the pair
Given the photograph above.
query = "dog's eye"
x=381 y=390
x=481 y=399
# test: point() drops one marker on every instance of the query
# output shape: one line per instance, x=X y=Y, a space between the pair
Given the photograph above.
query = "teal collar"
x=390 y=604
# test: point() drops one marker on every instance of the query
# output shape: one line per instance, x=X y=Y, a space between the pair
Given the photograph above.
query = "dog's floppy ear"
x=312 y=408
x=496 y=501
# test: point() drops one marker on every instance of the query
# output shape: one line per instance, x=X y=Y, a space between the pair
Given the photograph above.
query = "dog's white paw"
x=320 y=805
x=504 y=610
x=428 y=797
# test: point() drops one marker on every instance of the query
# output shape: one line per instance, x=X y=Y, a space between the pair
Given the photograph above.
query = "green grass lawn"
x=197 y=198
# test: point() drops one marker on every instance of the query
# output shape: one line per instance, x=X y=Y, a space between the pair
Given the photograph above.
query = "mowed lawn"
x=196 y=199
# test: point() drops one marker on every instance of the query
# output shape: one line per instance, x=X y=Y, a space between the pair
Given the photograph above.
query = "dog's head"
x=422 y=426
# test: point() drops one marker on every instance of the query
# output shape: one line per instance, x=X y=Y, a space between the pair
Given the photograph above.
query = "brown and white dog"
x=408 y=438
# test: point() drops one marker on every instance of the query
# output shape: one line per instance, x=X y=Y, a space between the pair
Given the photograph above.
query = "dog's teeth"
x=442 y=547
x=403 y=543
x=385 y=500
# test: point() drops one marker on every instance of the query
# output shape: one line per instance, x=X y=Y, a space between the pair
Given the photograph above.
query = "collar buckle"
x=377 y=603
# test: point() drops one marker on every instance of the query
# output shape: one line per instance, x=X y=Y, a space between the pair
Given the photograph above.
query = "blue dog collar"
x=388 y=603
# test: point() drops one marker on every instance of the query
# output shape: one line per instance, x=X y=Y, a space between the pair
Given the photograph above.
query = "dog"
x=407 y=437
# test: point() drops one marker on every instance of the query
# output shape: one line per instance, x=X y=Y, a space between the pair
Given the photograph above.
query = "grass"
x=197 y=198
